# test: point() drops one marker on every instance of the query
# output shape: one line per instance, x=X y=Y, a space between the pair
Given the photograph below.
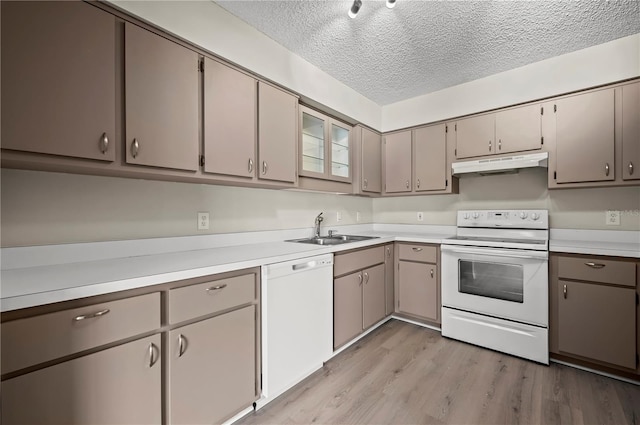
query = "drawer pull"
x=594 y=265
x=152 y=354
x=217 y=288
x=182 y=345
x=564 y=291
x=416 y=249
x=92 y=315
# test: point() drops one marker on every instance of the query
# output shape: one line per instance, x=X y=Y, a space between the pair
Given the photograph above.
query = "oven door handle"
x=529 y=255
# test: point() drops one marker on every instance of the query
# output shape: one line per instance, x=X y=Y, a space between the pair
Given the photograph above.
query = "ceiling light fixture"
x=355 y=8
x=391 y=4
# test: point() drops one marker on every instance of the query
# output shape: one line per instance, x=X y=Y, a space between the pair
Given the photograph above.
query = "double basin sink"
x=333 y=239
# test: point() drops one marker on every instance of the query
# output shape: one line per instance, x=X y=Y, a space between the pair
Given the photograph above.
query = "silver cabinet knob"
x=606 y=169
x=250 y=165
x=500 y=144
x=388 y=252
x=564 y=291
x=365 y=183
x=489 y=145
x=630 y=168
x=104 y=143
x=264 y=167
x=418 y=183
x=135 y=148
x=431 y=273
x=407 y=184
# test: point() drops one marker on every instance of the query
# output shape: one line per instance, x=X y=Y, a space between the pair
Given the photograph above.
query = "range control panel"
x=524 y=219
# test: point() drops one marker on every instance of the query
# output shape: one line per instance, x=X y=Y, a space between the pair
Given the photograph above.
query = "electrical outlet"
x=612 y=218
x=203 y=221
x=420 y=216
x=358 y=216
x=338 y=216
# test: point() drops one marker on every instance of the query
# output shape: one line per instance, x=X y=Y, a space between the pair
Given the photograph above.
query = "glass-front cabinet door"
x=325 y=147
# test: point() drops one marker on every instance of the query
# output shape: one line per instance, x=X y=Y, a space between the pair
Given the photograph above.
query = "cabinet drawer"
x=358 y=260
x=26 y=342
x=418 y=252
x=209 y=297
x=597 y=270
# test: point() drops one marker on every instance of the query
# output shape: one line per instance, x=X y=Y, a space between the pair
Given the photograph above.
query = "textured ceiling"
x=419 y=47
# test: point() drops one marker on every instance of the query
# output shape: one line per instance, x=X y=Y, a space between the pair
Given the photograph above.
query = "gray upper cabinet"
x=518 y=129
x=325 y=147
x=430 y=158
x=585 y=137
x=230 y=107
x=475 y=136
x=277 y=134
x=631 y=132
x=397 y=162
x=371 y=161
x=161 y=101
x=58 y=79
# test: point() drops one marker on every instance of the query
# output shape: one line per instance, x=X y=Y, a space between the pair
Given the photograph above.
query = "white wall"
x=206 y=24
x=605 y=63
x=41 y=208
x=568 y=208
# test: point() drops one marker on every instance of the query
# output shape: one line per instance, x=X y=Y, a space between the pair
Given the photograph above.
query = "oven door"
x=504 y=283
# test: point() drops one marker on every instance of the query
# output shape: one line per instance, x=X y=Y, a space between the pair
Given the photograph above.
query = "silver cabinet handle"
x=360 y=279
x=606 y=169
x=153 y=358
x=135 y=147
x=630 y=168
x=415 y=249
x=264 y=167
x=92 y=315
x=388 y=252
x=431 y=273
x=489 y=145
x=499 y=144
x=365 y=183
x=564 y=291
x=594 y=265
x=217 y=288
x=407 y=184
x=182 y=345
x=418 y=183
x=104 y=143
x=250 y=165
x=366 y=277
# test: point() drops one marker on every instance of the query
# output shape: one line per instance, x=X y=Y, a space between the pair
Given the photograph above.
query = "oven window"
x=493 y=280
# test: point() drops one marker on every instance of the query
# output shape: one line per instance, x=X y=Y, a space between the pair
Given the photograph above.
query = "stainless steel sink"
x=333 y=240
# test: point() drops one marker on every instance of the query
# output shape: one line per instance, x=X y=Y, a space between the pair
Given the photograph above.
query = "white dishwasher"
x=297 y=322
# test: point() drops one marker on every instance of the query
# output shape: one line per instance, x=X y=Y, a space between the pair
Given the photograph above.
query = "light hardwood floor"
x=405 y=374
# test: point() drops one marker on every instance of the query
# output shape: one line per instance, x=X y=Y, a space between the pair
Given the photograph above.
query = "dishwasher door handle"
x=307 y=265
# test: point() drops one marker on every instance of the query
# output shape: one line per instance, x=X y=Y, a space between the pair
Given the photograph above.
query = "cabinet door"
x=213 y=368
x=371 y=162
x=121 y=385
x=230 y=103
x=161 y=99
x=340 y=135
x=585 y=138
x=373 y=295
x=430 y=158
x=597 y=322
x=475 y=136
x=418 y=289
x=631 y=132
x=277 y=115
x=397 y=154
x=312 y=143
x=58 y=79
x=347 y=308
x=388 y=278
x=519 y=129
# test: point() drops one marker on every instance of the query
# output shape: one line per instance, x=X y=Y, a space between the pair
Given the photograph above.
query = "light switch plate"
x=612 y=218
x=203 y=221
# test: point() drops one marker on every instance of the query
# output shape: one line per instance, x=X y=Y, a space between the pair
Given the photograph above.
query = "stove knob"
x=476 y=215
x=466 y=216
x=523 y=215
x=535 y=216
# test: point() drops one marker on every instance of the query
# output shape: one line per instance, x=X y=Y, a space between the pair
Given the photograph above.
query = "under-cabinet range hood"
x=505 y=164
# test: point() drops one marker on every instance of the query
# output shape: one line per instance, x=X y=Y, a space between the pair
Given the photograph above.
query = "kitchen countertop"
x=84 y=270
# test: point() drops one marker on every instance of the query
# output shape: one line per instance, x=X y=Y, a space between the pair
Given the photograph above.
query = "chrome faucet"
x=319 y=220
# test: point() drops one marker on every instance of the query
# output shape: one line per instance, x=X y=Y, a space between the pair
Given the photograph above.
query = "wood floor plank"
x=405 y=374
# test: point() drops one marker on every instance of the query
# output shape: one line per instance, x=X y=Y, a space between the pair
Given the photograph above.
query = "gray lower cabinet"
x=388 y=279
x=359 y=292
x=211 y=364
x=120 y=385
x=418 y=281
